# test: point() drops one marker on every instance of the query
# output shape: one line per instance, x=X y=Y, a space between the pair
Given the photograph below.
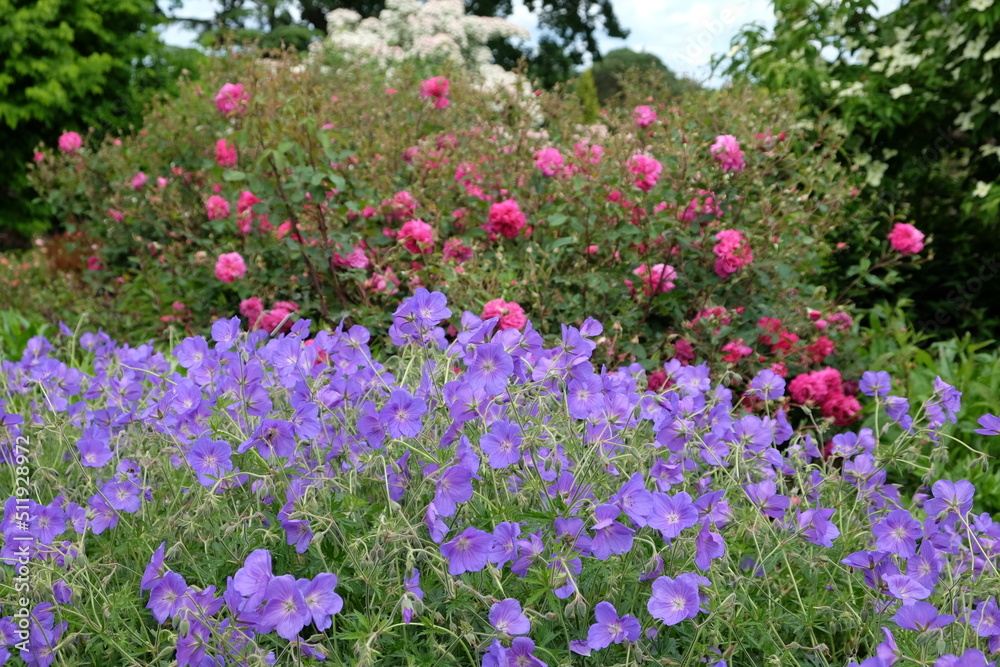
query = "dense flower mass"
x=481 y=474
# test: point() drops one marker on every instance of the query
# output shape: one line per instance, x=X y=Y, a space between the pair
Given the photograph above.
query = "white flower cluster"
x=436 y=28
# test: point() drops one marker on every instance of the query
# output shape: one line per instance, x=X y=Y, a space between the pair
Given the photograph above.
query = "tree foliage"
x=917 y=96
x=70 y=65
x=609 y=70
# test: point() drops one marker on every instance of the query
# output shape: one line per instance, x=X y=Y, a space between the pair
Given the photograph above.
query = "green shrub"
x=609 y=72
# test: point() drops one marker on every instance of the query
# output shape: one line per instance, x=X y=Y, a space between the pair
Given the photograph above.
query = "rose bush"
x=248 y=499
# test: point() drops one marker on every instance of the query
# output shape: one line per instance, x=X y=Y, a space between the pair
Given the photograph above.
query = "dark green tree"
x=71 y=65
x=609 y=70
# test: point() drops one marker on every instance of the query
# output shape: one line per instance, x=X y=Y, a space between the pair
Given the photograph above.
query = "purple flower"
x=123 y=495
x=320 y=599
x=210 y=459
x=708 y=546
x=154 y=570
x=765 y=496
x=875 y=383
x=816 y=526
x=272 y=435
x=986 y=618
x=921 y=616
x=585 y=396
x=950 y=497
x=906 y=588
x=507 y=618
x=467 y=552
x=490 y=368
x=898 y=533
x=251 y=580
x=505 y=543
x=61 y=592
x=610 y=536
x=454 y=486
x=225 y=332
x=298 y=532
x=973 y=657
x=94 y=451
x=671 y=515
x=610 y=629
x=435 y=524
x=990 y=425
x=673 y=600
x=285 y=610
x=402 y=413
x=768 y=385
x=167 y=597
x=502 y=444
x=521 y=654
x=412 y=584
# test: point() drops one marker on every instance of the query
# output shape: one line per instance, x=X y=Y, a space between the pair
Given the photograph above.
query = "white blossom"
x=900 y=91
x=982 y=189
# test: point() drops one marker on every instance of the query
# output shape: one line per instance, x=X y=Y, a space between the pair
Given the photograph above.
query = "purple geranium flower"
x=986 y=618
x=507 y=618
x=921 y=616
x=505 y=543
x=765 y=496
x=610 y=629
x=673 y=600
x=768 y=385
x=990 y=425
x=490 y=368
x=402 y=413
x=634 y=499
x=467 y=552
x=210 y=459
x=907 y=588
x=610 y=536
x=950 y=497
x=875 y=383
x=454 y=486
x=167 y=596
x=502 y=444
x=521 y=654
x=320 y=598
x=285 y=610
x=251 y=580
x=585 y=396
x=898 y=533
x=672 y=514
x=708 y=546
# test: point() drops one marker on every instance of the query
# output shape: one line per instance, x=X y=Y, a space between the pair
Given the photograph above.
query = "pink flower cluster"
x=511 y=314
x=506 y=218
x=456 y=250
x=906 y=239
x=225 y=154
x=436 y=87
x=656 y=279
x=417 y=237
x=245 y=215
x=727 y=151
x=825 y=388
x=585 y=152
x=732 y=252
x=356 y=259
x=644 y=116
x=735 y=351
x=70 y=142
x=217 y=208
x=230 y=266
x=253 y=310
x=646 y=169
x=703 y=204
x=231 y=98
x=385 y=281
x=139 y=180
x=402 y=206
x=549 y=161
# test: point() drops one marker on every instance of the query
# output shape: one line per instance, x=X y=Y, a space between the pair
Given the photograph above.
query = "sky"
x=684 y=34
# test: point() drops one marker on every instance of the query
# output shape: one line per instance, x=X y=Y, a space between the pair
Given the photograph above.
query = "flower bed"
x=487 y=500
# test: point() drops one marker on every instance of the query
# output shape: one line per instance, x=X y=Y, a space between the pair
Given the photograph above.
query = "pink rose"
x=217 y=208
x=232 y=98
x=70 y=142
x=549 y=161
x=727 y=151
x=436 y=87
x=511 y=314
x=225 y=154
x=229 y=267
x=906 y=239
x=139 y=180
x=644 y=116
x=417 y=237
x=506 y=218
x=656 y=279
x=646 y=169
x=252 y=309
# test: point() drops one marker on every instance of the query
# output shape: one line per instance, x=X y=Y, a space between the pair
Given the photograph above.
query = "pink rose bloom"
x=417 y=237
x=94 y=263
x=842 y=409
x=549 y=161
x=225 y=154
x=39 y=156
x=229 y=267
x=177 y=305
x=456 y=250
x=727 y=151
x=252 y=309
x=592 y=249
x=161 y=182
x=732 y=252
x=244 y=211
x=368 y=212
x=386 y=282
x=816 y=387
x=699 y=207
x=402 y=206
x=906 y=239
x=683 y=351
x=139 y=180
x=656 y=279
x=506 y=218
x=232 y=98
x=511 y=314
x=821 y=349
x=644 y=116
x=356 y=259
x=735 y=350
x=436 y=87
x=117 y=216
x=646 y=169
x=70 y=142
x=217 y=208
x=588 y=153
